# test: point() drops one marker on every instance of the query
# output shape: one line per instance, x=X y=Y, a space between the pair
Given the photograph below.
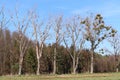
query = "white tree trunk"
x=74 y=67
x=20 y=64
x=38 y=59
x=38 y=66
x=91 y=68
x=117 y=70
x=54 y=61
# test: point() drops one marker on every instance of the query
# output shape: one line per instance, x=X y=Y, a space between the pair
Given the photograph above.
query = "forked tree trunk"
x=74 y=62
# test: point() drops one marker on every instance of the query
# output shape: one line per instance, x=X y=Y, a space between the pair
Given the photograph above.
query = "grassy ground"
x=97 y=76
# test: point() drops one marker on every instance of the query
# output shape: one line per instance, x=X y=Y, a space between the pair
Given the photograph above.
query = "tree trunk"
x=38 y=66
x=117 y=64
x=54 y=61
x=117 y=70
x=38 y=59
x=74 y=67
x=11 y=64
x=91 y=68
x=20 y=64
x=74 y=71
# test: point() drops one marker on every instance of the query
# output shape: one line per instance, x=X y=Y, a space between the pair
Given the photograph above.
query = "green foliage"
x=63 y=61
x=96 y=31
x=14 y=68
x=30 y=62
x=84 y=61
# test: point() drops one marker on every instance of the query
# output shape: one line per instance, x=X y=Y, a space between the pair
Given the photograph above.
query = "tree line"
x=56 y=45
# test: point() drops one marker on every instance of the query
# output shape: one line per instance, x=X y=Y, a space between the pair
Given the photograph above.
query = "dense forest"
x=56 y=45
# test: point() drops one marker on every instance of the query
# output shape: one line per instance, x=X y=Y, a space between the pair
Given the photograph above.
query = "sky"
x=109 y=9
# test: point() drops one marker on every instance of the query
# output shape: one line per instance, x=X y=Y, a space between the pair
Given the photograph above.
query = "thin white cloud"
x=81 y=11
x=111 y=9
x=61 y=8
x=108 y=9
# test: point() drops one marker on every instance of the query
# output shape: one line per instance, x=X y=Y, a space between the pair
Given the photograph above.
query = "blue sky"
x=110 y=9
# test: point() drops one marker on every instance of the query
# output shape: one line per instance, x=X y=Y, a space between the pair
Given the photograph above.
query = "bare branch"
x=67 y=48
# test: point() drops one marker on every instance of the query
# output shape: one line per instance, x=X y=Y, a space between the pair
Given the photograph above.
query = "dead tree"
x=21 y=24
x=57 y=25
x=3 y=20
x=115 y=44
x=41 y=33
x=73 y=37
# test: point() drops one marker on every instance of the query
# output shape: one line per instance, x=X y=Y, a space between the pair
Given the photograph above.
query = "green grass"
x=97 y=76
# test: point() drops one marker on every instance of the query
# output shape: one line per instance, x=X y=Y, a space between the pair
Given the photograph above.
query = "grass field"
x=97 y=76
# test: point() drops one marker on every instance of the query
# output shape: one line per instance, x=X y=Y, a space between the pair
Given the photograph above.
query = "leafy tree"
x=95 y=32
x=48 y=58
x=30 y=61
x=84 y=61
x=14 y=51
x=7 y=53
x=63 y=60
x=2 y=51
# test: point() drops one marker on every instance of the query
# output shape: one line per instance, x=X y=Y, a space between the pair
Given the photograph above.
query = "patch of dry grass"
x=95 y=76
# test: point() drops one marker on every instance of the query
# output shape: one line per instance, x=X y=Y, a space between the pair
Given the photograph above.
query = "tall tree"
x=3 y=20
x=14 y=53
x=21 y=24
x=41 y=33
x=73 y=36
x=30 y=61
x=3 y=24
x=7 y=53
x=115 y=44
x=57 y=25
x=2 y=56
x=95 y=32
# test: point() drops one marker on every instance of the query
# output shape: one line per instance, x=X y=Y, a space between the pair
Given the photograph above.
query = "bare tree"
x=3 y=20
x=21 y=24
x=41 y=33
x=73 y=37
x=57 y=25
x=115 y=44
x=95 y=32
